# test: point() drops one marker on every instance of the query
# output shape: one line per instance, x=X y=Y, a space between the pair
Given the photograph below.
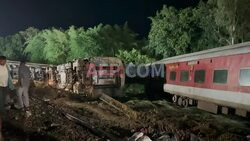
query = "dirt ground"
x=155 y=118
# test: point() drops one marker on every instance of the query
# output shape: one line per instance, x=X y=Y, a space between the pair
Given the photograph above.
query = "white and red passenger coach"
x=216 y=79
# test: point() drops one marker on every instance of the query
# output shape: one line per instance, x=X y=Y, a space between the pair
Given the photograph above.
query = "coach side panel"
x=221 y=80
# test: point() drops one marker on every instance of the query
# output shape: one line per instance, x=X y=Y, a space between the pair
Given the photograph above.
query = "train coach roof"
x=106 y=60
x=211 y=53
x=30 y=64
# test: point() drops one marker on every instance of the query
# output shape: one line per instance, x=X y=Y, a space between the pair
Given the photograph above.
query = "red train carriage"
x=214 y=79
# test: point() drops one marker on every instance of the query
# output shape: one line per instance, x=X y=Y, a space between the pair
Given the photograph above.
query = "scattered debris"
x=66 y=117
x=248 y=138
x=119 y=106
x=193 y=137
x=144 y=138
x=95 y=130
x=135 y=136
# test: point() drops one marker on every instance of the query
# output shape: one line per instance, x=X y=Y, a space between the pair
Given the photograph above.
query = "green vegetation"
x=134 y=56
x=58 y=46
x=173 y=32
x=212 y=24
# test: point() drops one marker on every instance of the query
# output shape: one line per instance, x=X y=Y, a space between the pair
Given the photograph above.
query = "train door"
x=191 y=69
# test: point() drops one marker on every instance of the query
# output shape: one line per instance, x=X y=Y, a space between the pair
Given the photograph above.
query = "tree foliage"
x=57 y=46
x=206 y=33
x=232 y=16
x=13 y=46
x=208 y=25
x=176 y=32
x=134 y=56
x=35 y=47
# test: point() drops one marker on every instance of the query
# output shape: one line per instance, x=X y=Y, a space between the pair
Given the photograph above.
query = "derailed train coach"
x=87 y=76
x=216 y=80
x=39 y=72
x=98 y=74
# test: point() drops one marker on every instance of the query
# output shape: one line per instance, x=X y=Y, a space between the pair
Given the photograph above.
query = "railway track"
x=85 y=122
x=91 y=124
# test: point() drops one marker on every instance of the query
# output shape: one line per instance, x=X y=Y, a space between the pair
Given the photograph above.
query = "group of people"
x=6 y=85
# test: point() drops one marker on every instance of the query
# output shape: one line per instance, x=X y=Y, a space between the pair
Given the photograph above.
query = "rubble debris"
x=144 y=138
x=194 y=137
x=248 y=138
x=167 y=137
x=95 y=130
x=139 y=136
x=99 y=120
x=118 y=106
x=1 y=137
x=135 y=136
x=164 y=138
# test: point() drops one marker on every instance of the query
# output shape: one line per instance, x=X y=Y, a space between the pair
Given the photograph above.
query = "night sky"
x=17 y=15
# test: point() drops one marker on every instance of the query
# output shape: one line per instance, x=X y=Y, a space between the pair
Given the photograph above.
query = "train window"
x=172 y=75
x=220 y=76
x=184 y=76
x=199 y=76
x=245 y=77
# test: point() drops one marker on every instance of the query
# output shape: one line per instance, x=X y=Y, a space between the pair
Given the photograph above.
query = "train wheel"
x=179 y=102
x=175 y=99
x=185 y=103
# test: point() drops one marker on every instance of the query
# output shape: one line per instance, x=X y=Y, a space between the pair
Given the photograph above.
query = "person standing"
x=24 y=79
x=5 y=84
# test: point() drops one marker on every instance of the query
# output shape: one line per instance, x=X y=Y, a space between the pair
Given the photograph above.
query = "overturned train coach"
x=216 y=80
x=39 y=72
x=87 y=76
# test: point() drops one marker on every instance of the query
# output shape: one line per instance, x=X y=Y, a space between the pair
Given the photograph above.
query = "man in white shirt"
x=5 y=83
